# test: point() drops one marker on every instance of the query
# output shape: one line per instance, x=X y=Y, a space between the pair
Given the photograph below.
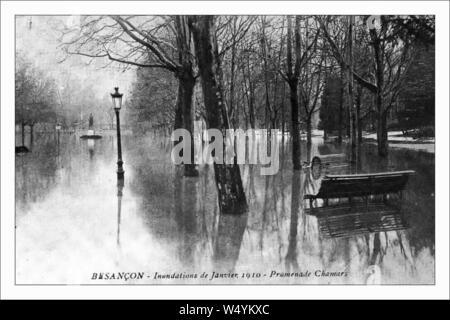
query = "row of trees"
x=35 y=95
x=255 y=71
x=40 y=98
x=413 y=109
x=375 y=55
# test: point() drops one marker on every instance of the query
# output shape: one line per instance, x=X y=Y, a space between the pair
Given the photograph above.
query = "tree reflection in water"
x=186 y=216
x=172 y=223
x=296 y=196
x=228 y=241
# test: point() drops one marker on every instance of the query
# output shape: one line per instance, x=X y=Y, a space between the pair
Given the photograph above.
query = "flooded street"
x=73 y=220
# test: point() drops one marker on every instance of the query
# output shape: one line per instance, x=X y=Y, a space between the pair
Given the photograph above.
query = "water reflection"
x=228 y=241
x=296 y=196
x=91 y=147
x=73 y=219
x=346 y=220
x=185 y=201
x=120 y=185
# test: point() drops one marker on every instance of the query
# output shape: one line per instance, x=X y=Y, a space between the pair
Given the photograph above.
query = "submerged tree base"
x=22 y=149
x=93 y=136
x=190 y=171
x=232 y=198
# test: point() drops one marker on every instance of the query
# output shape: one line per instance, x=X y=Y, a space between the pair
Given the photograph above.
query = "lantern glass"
x=116 y=99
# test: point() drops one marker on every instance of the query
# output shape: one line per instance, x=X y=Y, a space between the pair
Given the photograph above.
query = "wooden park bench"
x=356 y=217
x=361 y=185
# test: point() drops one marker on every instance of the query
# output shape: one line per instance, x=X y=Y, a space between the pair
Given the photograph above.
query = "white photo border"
x=9 y=9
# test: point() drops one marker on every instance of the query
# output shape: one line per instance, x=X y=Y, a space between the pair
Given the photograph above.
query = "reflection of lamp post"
x=117 y=104
x=91 y=145
x=61 y=105
x=119 y=208
x=58 y=131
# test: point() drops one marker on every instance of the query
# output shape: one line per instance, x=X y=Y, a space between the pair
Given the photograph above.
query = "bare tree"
x=228 y=178
x=311 y=79
x=291 y=76
x=391 y=57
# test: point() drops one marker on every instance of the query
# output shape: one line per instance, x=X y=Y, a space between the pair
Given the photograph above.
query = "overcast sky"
x=38 y=41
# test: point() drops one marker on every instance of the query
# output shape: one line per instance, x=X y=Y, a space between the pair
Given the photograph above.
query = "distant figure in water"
x=91 y=125
x=314 y=177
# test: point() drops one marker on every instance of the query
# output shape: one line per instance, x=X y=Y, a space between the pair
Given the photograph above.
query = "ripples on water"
x=68 y=223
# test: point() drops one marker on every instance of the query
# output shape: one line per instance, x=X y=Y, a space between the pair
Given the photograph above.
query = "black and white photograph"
x=225 y=149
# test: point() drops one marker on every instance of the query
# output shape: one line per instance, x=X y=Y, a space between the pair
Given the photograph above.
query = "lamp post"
x=117 y=104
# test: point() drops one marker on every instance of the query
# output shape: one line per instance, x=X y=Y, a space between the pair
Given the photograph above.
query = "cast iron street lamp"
x=117 y=104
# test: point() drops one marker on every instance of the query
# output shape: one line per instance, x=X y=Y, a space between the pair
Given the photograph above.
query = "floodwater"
x=74 y=222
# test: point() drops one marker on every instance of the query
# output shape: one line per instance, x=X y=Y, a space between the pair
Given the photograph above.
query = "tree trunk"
x=309 y=135
x=31 y=135
x=351 y=107
x=382 y=139
x=358 y=114
x=283 y=121
x=309 y=129
x=267 y=111
x=228 y=177
x=179 y=110
x=185 y=74
x=382 y=134
x=186 y=91
x=348 y=117
x=341 y=108
x=23 y=134
x=232 y=108
x=252 y=110
x=295 y=126
x=354 y=154
x=232 y=68
x=251 y=97
x=293 y=72
x=381 y=115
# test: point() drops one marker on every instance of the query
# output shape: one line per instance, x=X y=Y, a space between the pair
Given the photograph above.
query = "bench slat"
x=368 y=175
x=357 y=185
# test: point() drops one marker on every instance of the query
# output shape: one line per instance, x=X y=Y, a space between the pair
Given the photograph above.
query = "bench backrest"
x=339 y=186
